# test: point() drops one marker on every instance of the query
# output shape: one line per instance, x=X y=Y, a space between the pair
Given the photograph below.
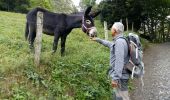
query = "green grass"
x=12 y=45
x=80 y=74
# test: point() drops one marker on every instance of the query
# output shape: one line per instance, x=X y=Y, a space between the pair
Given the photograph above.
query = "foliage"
x=19 y=93
x=85 y=3
x=116 y=10
x=63 y=6
x=146 y=15
x=14 y=5
x=41 y=3
x=23 y=6
x=35 y=77
x=155 y=13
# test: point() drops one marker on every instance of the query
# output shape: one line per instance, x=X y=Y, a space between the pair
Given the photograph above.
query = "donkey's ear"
x=88 y=10
x=94 y=14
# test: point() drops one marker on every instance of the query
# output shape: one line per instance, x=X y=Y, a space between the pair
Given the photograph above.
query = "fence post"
x=121 y=20
x=38 y=38
x=105 y=30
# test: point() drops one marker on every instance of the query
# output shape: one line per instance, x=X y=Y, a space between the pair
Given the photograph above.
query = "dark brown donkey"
x=60 y=25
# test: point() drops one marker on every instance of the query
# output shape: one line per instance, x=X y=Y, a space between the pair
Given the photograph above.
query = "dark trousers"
x=121 y=93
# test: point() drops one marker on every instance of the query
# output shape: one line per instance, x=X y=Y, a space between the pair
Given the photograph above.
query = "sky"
x=76 y=2
x=168 y=17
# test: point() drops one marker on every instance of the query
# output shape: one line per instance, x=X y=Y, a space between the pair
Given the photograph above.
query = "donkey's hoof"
x=62 y=54
x=31 y=46
x=31 y=49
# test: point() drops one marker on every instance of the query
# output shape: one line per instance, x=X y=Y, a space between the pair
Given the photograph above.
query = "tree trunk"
x=152 y=30
x=132 y=26
x=144 y=30
x=159 y=36
x=168 y=37
x=127 y=28
x=156 y=37
x=163 y=31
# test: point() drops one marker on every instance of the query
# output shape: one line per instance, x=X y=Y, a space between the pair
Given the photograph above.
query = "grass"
x=80 y=74
x=12 y=43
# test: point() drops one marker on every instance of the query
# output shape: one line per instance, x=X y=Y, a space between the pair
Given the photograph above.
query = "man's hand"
x=93 y=38
x=114 y=84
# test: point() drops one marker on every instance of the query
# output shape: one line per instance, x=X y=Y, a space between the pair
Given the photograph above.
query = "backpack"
x=135 y=65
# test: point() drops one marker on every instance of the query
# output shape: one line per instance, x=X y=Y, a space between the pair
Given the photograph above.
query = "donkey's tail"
x=26 y=31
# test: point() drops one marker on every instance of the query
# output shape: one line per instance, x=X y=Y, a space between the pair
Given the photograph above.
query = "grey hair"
x=118 y=26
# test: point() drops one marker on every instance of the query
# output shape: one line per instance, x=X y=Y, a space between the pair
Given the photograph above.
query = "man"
x=119 y=57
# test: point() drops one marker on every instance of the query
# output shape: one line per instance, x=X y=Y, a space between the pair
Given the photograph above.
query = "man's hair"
x=119 y=27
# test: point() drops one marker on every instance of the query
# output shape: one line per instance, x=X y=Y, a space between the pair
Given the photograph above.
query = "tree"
x=65 y=6
x=24 y=6
x=116 y=10
x=107 y=12
x=14 y=5
x=155 y=12
x=85 y=3
x=149 y=15
x=41 y=3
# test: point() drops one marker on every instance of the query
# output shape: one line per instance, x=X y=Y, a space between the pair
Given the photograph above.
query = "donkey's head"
x=88 y=25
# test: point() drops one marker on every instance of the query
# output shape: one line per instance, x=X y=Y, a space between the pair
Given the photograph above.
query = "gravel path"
x=157 y=74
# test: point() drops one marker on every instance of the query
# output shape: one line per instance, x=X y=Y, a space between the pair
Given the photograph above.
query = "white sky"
x=168 y=17
x=76 y=2
x=98 y=1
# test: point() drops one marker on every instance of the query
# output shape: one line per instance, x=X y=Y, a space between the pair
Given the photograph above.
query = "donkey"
x=60 y=25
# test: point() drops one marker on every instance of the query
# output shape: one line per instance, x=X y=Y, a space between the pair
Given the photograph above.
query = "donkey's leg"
x=63 y=40
x=32 y=35
x=55 y=43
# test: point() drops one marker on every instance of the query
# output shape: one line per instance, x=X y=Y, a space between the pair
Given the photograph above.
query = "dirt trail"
x=157 y=74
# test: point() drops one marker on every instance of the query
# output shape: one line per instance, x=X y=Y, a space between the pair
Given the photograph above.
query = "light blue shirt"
x=118 y=57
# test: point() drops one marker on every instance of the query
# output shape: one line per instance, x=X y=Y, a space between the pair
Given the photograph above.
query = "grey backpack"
x=136 y=65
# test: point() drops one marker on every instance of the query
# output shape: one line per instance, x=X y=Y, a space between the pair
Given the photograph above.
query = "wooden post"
x=38 y=38
x=121 y=20
x=105 y=30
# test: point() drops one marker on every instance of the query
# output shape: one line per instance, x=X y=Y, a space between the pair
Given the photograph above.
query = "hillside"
x=80 y=74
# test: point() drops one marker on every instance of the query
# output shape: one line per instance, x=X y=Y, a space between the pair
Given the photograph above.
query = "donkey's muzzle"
x=93 y=32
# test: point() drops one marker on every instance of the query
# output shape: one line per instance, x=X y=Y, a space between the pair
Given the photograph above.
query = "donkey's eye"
x=88 y=21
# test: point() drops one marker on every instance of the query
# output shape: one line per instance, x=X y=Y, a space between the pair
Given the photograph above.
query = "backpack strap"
x=129 y=52
x=127 y=41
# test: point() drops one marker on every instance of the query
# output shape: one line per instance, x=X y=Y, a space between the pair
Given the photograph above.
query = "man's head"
x=117 y=28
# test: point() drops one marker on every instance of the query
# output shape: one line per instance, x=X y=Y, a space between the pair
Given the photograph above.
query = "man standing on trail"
x=118 y=59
